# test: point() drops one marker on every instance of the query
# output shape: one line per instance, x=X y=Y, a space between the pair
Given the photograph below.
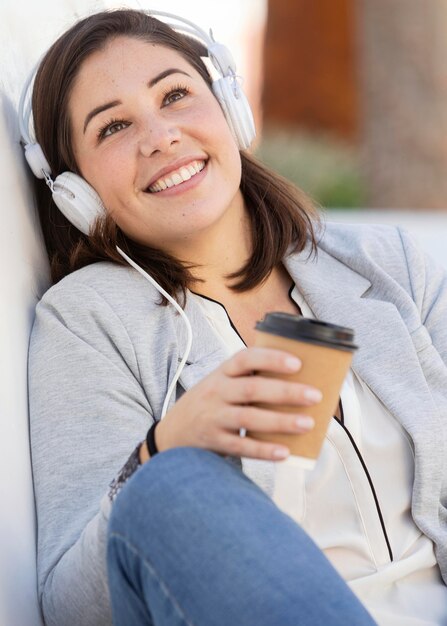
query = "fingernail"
x=305 y=422
x=292 y=363
x=281 y=453
x=313 y=395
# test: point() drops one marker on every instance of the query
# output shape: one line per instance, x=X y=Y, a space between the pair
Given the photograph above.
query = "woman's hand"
x=210 y=414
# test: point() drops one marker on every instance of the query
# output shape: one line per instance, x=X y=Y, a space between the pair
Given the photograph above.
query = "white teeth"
x=185 y=173
x=181 y=175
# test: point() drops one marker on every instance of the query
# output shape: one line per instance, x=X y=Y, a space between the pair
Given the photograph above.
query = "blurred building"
x=372 y=72
x=310 y=75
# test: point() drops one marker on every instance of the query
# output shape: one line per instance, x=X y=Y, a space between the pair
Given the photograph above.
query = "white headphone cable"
x=184 y=317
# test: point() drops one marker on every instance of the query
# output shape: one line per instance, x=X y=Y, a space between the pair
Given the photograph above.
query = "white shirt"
x=356 y=503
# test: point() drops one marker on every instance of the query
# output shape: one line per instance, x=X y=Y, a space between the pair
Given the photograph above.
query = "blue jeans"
x=193 y=541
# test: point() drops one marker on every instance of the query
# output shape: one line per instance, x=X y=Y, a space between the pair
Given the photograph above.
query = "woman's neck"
x=224 y=249
x=219 y=251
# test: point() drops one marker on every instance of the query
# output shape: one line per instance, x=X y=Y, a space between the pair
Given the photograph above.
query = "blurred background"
x=350 y=100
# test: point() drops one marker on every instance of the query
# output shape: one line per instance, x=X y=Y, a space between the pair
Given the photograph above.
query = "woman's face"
x=151 y=138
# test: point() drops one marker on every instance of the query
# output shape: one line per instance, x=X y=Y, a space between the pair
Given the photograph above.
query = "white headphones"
x=77 y=200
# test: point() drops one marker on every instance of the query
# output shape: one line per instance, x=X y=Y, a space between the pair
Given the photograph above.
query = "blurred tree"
x=403 y=76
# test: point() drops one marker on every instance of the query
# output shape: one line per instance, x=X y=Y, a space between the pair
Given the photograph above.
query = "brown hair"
x=280 y=215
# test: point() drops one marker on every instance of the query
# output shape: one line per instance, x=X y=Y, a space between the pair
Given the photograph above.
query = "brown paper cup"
x=322 y=367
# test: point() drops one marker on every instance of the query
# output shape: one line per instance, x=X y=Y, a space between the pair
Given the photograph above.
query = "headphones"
x=75 y=198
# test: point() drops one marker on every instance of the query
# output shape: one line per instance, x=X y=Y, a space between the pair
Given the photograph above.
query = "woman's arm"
x=88 y=411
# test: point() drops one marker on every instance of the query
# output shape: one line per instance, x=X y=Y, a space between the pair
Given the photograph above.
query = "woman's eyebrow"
x=165 y=73
x=100 y=109
x=114 y=103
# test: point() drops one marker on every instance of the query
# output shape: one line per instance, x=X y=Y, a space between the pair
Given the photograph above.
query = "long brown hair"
x=281 y=216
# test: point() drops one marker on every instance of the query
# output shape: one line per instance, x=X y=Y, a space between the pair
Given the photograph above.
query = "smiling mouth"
x=177 y=177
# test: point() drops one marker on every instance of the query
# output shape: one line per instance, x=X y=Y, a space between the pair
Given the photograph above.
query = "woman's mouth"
x=177 y=177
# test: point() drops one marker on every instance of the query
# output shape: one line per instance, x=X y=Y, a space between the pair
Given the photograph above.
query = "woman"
x=124 y=102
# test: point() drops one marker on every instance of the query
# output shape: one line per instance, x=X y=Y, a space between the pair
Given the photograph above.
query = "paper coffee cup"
x=325 y=351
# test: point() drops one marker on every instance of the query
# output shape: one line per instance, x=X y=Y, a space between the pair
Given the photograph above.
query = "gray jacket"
x=100 y=350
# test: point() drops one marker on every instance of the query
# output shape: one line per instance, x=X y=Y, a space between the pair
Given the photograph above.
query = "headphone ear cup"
x=236 y=110
x=77 y=200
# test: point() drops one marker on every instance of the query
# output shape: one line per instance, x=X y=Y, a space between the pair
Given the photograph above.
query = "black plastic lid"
x=307 y=329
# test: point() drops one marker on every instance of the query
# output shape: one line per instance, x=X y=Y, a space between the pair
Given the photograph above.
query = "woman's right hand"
x=211 y=414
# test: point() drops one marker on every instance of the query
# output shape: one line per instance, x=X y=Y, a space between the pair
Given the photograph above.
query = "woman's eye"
x=173 y=95
x=111 y=128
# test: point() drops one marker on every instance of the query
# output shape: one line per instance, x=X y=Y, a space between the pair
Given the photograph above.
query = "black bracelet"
x=150 y=440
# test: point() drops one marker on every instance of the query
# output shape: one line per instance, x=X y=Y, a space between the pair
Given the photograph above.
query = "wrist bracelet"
x=150 y=440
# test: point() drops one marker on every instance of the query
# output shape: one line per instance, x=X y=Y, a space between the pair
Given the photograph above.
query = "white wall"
x=25 y=30
x=428 y=227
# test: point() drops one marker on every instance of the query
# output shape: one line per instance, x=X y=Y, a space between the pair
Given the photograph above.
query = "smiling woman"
x=152 y=128
x=170 y=102
x=144 y=515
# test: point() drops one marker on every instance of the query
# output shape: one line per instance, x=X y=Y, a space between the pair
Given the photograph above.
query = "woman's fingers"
x=261 y=389
x=251 y=448
x=238 y=388
x=261 y=420
x=211 y=414
x=261 y=359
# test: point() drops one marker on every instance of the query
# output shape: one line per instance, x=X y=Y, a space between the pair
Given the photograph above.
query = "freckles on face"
x=150 y=137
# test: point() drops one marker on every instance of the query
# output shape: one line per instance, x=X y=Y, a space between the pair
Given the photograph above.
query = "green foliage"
x=327 y=169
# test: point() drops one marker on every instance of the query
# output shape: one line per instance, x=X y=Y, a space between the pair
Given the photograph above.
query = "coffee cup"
x=325 y=351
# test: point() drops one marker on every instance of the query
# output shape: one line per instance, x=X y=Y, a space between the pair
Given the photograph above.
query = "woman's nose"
x=159 y=135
